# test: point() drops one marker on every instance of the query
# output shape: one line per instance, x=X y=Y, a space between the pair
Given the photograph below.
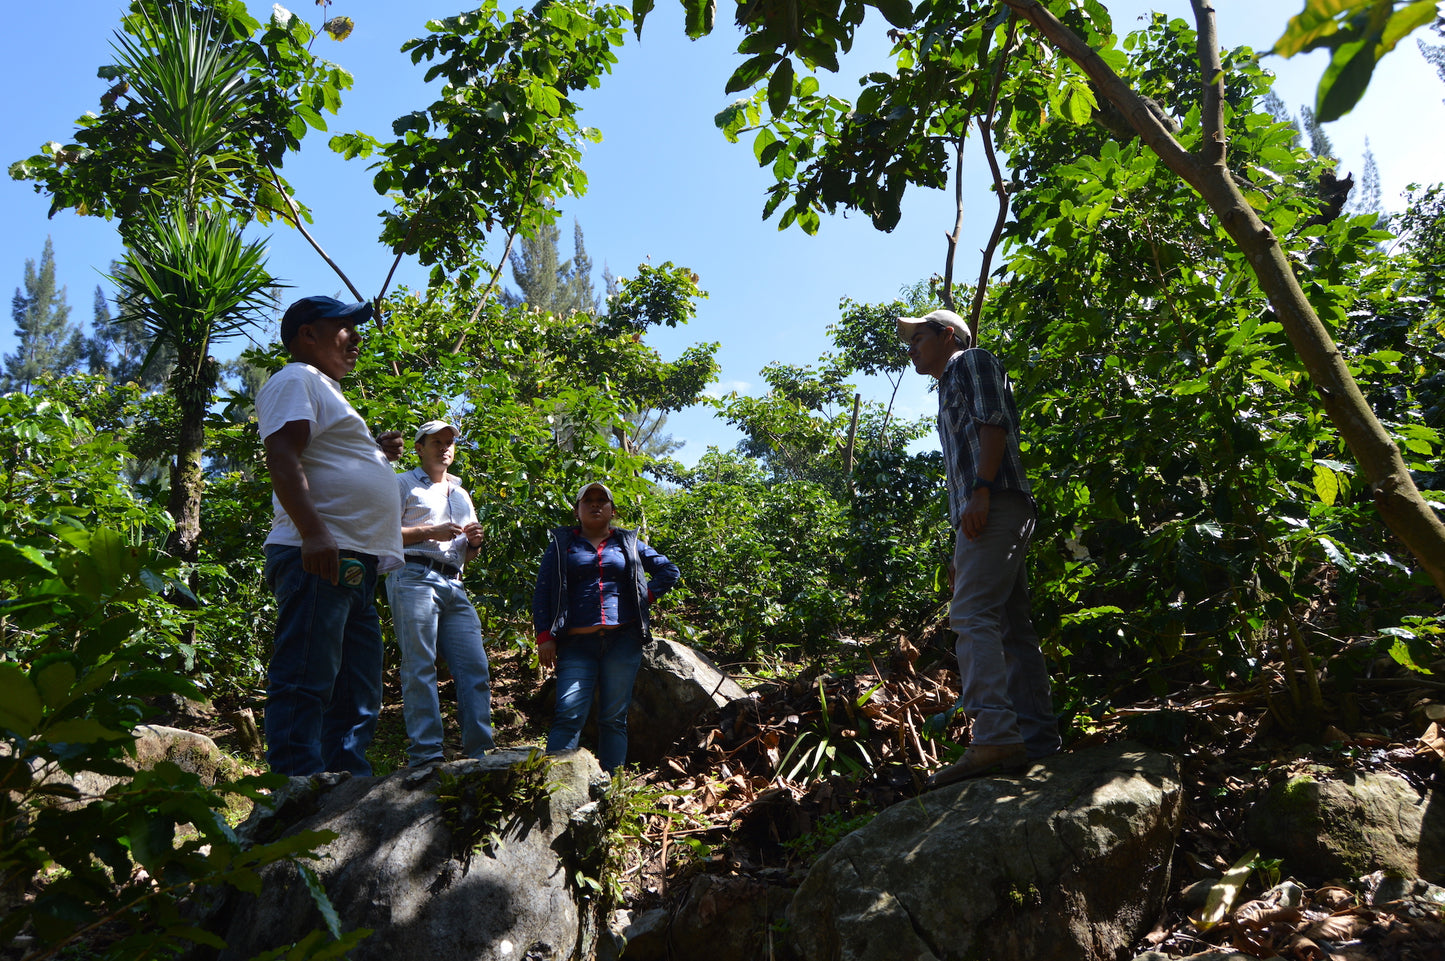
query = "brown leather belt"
x=444 y=569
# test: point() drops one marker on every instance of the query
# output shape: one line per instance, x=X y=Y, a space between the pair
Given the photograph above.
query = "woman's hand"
x=547 y=654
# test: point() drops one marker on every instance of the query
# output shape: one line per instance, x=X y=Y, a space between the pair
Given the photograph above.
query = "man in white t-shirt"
x=429 y=606
x=334 y=529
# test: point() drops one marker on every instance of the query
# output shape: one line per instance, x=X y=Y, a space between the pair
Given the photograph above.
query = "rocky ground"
x=761 y=791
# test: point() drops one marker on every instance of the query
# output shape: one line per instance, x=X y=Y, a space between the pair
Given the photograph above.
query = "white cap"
x=431 y=427
x=587 y=487
x=908 y=326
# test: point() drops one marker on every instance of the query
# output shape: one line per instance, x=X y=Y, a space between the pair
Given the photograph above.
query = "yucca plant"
x=191 y=94
x=190 y=285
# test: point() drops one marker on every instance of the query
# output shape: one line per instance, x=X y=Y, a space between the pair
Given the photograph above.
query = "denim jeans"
x=1004 y=679
x=607 y=663
x=323 y=690
x=433 y=615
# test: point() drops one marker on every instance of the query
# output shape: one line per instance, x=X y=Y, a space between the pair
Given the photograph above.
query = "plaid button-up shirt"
x=975 y=390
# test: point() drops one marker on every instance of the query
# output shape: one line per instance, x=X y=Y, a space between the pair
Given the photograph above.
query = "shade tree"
x=963 y=64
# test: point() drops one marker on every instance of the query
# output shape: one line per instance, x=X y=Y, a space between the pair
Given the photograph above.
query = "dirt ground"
x=719 y=804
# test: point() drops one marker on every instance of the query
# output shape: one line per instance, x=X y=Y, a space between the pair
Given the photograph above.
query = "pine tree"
x=47 y=341
x=1434 y=53
x=1366 y=198
x=546 y=283
x=1320 y=144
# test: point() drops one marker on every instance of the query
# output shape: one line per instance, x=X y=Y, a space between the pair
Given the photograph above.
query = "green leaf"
x=82 y=731
x=780 y=87
x=897 y=12
x=1225 y=892
x=54 y=681
x=752 y=70
x=1360 y=32
x=311 y=116
x=1327 y=485
x=1400 y=654
x=1336 y=555
x=761 y=141
x=20 y=704
x=640 y=10
x=701 y=15
x=1078 y=102
x=1197 y=386
x=731 y=119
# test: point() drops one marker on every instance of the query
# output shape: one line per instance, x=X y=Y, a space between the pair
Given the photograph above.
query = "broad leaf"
x=1225 y=892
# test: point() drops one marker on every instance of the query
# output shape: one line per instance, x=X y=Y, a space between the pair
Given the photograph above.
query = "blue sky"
x=664 y=184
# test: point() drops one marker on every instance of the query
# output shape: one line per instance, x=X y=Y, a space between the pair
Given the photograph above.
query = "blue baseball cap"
x=309 y=309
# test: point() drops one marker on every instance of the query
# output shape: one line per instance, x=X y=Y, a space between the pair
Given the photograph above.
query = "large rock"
x=1069 y=862
x=1344 y=824
x=675 y=686
x=194 y=753
x=445 y=861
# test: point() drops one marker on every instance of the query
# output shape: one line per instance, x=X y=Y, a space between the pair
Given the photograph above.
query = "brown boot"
x=980 y=760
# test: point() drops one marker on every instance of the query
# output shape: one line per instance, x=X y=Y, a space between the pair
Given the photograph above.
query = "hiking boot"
x=981 y=760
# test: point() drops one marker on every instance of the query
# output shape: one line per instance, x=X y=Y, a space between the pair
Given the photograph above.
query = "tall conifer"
x=47 y=341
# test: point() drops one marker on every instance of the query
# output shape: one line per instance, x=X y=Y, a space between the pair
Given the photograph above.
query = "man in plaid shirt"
x=1004 y=680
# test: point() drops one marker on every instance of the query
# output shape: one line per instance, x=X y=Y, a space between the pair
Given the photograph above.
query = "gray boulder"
x=675 y=686
x=458 y=861
x=154 y=743
x=1330 y=823
x=1070 y=862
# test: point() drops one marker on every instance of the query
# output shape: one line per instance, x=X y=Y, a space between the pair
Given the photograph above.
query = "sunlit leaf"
x=1327 y=485
x=1225 y=892
x=339 y=27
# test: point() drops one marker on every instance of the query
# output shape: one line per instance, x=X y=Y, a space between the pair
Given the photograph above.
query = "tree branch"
x=952 y=238
x=401 y=251
x=1396 y=497
x=1211 y=96
x=985 y=127
x=501 y=264
x=296 y=222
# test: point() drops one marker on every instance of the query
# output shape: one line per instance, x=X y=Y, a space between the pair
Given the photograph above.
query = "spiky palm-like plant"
x=192 y=96
x=192 y=284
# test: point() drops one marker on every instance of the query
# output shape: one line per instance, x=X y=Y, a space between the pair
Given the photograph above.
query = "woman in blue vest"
x=590 y=610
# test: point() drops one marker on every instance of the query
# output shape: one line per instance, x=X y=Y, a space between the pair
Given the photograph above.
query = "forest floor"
x=720 y=805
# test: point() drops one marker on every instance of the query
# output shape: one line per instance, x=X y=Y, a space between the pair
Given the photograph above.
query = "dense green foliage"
x=1193 y=489
x=1199 y=523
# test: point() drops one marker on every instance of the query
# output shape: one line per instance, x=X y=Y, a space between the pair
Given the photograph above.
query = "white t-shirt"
x=351 y=481
x=424 y=503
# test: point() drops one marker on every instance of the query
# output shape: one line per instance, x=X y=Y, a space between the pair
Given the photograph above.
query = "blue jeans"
x=323 y=690
x=1004 y=679
x=607 y=663
x=432 y=614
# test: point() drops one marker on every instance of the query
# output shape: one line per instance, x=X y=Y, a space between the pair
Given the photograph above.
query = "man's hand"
x=319 y=556
x=474 y=534
x=547 y=654
x=446 y=533
x=975 y=513
x=392 y=444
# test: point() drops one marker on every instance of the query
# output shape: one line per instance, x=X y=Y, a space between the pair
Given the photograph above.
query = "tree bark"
x=193 y=384
x=1396 y=498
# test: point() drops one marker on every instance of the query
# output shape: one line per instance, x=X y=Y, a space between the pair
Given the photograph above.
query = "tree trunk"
x=193 y=384
x=1396 y=498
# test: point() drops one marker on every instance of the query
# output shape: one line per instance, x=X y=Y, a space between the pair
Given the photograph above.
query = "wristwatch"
x=980 y=482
